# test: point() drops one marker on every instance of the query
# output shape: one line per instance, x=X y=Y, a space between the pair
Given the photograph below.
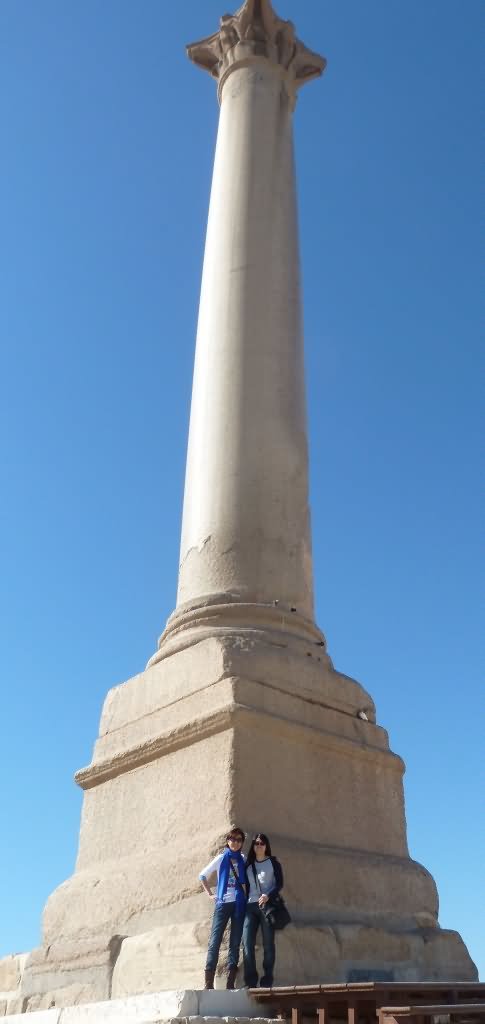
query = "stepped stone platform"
x=186 y=1007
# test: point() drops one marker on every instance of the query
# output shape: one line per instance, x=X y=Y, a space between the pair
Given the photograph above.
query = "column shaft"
x=246 y=529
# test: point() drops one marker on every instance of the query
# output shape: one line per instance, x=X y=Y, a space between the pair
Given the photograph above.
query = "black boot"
x=231 y=977
x=209 y=979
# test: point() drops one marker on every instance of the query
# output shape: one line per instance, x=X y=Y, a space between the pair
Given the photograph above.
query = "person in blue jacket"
x=265 y=877
x=230 y=904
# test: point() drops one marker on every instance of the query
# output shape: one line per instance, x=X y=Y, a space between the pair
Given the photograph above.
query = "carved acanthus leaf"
x=255 y=30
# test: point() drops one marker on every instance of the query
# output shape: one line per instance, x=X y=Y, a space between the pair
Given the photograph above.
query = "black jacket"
x=278 y=874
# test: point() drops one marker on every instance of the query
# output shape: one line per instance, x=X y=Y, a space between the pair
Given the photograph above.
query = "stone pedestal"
x=241 y=716
x=237 y=729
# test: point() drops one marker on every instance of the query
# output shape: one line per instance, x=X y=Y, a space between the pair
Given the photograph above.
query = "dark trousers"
x=219 y=922
x=253 y=920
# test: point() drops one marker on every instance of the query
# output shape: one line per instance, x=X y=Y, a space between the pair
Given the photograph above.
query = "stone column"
x=241 y=716
x=246 y=547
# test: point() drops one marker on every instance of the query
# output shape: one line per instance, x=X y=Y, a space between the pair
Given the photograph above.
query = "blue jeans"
x=254 y=918
x=221 y=917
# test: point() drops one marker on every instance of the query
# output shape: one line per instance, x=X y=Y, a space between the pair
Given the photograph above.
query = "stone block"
x=11 y=968
x=306 y=955
x=446 y=956
x=164 y=696
x=361 y=944
x=206 y=1020
x=40 y=1017
x=16 y=1005
x=46 y=982
x=143 y=1009
x=154 y=960
x=221 y=1003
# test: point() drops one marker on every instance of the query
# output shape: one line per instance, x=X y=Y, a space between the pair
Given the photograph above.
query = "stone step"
x=183 y=1007
x=99 y=1012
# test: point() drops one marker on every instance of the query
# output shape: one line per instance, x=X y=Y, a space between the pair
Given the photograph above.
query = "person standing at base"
x=265 y=878
x=230 y=905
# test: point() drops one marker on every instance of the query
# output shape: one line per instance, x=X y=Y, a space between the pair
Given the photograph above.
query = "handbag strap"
x=256 y=879
x=231 y=868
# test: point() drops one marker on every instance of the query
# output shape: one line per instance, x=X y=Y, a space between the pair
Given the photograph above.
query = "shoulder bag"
x=275 y=910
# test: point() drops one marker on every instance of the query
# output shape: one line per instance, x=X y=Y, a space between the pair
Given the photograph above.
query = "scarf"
x=225 y=870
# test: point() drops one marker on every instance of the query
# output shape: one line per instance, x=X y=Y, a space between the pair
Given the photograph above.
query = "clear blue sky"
x=107 y=145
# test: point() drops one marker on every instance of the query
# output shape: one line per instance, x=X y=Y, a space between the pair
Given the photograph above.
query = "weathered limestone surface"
x=11 y=968
x=246 y=526
x=37 y=1017
x=11 y=971
x=171 y=1007
x=240 y=715
x=245 y=556
x=175 y=763
x=305 y=954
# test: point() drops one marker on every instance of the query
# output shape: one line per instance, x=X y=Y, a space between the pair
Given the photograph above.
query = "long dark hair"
x=251 y=855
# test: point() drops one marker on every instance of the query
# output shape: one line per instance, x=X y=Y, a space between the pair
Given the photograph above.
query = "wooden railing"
x=360 y=1002
x=422 y=1013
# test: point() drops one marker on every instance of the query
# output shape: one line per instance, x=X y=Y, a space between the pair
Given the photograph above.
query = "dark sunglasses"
x=234 y=839
x=259 y=842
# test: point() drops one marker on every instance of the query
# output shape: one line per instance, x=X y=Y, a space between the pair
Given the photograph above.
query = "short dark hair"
x=235 y=830
x=251 y=857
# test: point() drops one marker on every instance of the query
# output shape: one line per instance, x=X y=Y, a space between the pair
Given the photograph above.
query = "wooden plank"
x=431 y=986
x=371 y=987
x=322 y=1015
x=431 y=1009
x=437 y=1008
x=351 y=1012
x=295 y=1015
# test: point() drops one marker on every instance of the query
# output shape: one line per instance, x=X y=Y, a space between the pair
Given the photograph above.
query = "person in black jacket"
x=265 y=877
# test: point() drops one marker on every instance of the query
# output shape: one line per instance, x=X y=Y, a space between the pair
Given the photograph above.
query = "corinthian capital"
x=255 y=31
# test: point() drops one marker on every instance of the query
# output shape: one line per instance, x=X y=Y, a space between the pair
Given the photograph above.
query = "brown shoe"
x=209 y=979
x=231 y=977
